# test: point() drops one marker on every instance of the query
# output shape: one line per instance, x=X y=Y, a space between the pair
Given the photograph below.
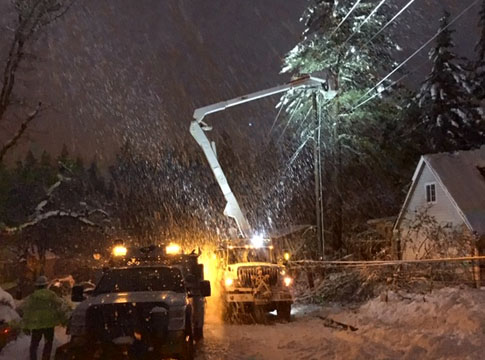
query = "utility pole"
x=317 y=137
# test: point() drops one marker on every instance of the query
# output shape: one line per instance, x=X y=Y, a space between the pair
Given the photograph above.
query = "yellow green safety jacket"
x=43 y=309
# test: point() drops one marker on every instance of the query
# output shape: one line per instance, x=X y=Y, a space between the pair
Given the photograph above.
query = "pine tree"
x=47 y=170
x=30 y=166
x=480 y=62
x=448 y=118
x=64 y=155
x=351 y=55
x=348 y=57
x=96 y=182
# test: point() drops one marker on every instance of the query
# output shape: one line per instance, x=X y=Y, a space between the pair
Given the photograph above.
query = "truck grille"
x=109 y=321
x=247 y=275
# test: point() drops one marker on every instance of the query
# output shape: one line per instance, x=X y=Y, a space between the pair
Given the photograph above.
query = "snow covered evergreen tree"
x=339 y=43
x=343 y=44
x=449 y=119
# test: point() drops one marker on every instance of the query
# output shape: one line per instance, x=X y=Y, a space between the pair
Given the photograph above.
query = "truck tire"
x=283 y=311
x=228 y=312
x=198 y=334
x=259 y=314
x=188 y=351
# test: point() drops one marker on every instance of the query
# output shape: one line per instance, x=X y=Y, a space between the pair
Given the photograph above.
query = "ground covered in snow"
x=445 y=324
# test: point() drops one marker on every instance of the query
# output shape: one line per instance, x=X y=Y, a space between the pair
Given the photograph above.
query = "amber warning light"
x=119 y=250
x=173 y=249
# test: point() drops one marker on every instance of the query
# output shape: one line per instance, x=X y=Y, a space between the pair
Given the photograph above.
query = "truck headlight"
x=229 y=282
x=287 y=281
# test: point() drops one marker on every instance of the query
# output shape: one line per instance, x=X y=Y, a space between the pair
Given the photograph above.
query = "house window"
x=431 y=193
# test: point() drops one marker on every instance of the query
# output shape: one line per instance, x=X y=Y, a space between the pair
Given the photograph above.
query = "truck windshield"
x=238 y=255
x=141 y=279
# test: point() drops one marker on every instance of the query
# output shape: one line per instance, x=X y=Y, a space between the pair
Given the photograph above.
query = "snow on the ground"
x=19 y=349
x=445 y=324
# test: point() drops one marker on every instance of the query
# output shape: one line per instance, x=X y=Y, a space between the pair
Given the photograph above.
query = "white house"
x=450 y=187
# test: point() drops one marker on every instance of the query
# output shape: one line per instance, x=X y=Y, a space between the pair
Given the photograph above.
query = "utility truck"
x=148 y=304
x=252 y=278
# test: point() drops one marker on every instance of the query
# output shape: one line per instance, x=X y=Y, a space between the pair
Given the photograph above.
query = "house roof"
x=460 y=176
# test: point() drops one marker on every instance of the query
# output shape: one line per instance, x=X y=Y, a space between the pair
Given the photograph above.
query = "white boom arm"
x=232 y=208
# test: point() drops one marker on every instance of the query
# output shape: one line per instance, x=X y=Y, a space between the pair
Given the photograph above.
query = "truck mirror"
x=205 y=288
x=77 y=293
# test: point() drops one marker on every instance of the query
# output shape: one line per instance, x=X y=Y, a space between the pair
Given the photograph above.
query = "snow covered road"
x=446 y=324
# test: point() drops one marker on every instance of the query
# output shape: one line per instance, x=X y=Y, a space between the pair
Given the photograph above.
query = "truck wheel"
x=188 y=351
x=283 y=311
x=228 y=312
x=188 y=348
x=259 y=314
x=198 y=334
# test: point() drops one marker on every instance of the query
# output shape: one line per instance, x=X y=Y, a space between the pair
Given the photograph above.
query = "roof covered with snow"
x=460 y=175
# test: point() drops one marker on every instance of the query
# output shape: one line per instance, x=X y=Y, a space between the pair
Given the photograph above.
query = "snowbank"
x=6 y=298
x=7 y=306
x=445 y=324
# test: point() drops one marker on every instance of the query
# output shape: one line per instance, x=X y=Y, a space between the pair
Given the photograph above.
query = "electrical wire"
x=391 y=85
x=392 y=20
x=413 y=55
x=373 y=12
x=345 y=18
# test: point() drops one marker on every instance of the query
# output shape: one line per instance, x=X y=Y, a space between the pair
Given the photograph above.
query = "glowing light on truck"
x=257 y=241
x=173 y=249
x=119 y=250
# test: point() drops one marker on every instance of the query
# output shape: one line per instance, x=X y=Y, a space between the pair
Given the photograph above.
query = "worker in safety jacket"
x=41 y=312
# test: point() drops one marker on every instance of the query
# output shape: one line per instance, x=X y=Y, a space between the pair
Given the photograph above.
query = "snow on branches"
x=448 y=114
x=85 y=214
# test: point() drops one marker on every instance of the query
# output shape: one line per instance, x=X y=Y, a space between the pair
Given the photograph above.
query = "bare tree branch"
x=13 y=141
x=40 y=214
x=33 y=15
x=52 y=214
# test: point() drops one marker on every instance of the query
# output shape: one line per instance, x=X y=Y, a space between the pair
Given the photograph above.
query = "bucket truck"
x=252 y=279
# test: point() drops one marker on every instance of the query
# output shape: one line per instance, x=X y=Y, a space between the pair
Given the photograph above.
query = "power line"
x=390 y=86
x=392 y=20
x=365 y=21
x=345 y=17
x=413 y=55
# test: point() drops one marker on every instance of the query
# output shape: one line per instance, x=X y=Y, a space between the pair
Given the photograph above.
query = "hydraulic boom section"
x=198 y=128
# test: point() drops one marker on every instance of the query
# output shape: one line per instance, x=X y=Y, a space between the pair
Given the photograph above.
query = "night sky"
x=112 y=70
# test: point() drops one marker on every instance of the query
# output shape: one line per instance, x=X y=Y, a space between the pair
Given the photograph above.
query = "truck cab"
x=147 y=304
x=253 y=282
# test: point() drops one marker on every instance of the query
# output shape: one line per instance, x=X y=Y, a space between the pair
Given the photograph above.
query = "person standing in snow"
x=42 y=311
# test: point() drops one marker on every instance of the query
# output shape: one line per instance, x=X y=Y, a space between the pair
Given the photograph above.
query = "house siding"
x=443 y=210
